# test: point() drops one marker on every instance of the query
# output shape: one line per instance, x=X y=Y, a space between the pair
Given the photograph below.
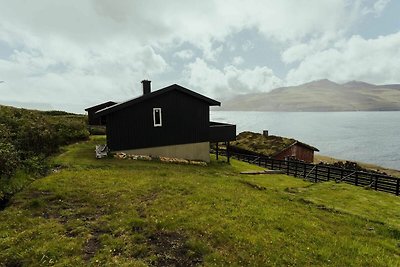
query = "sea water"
x=371 y=137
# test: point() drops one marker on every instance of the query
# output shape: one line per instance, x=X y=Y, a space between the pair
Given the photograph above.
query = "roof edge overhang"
x=296 y=143
x=114 y=108
x=104 y=103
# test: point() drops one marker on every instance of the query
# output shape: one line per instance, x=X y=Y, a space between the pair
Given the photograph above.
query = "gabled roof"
x=300 y=144
x=101 y=106
x=266 y=145
x=164 y=90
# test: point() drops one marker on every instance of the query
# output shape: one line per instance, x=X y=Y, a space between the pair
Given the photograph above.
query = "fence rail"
x=321 y=173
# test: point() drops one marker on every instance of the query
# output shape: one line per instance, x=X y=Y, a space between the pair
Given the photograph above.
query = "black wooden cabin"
x=173 y=121
x=95 y=120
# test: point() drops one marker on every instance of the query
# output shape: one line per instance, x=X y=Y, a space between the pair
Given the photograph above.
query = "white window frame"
x=154 y=117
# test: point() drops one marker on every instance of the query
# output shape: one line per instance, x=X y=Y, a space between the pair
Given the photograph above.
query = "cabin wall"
x=297 y=151
x=185 y=120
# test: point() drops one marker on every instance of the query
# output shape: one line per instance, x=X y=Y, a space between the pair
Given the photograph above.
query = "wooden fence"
x=321 y=173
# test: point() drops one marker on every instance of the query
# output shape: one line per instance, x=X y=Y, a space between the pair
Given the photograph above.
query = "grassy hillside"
x=320 y=95
x=113 y=212
x=27 y=138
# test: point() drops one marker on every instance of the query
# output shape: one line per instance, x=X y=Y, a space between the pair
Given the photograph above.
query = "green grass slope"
x=113 y=212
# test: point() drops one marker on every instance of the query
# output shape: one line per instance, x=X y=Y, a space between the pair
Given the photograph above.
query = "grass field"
x=113 y=212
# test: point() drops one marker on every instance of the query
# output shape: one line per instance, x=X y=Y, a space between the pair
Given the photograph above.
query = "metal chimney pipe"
x=146 y=87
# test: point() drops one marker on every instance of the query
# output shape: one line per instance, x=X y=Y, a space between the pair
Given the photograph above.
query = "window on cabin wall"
x=157 y=118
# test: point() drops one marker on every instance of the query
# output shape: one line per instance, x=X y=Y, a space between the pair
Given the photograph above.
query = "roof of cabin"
x=266 y=145
x=101 y=105
x=153 y=94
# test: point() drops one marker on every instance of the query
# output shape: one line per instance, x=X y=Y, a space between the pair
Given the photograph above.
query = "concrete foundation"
x=195 y=151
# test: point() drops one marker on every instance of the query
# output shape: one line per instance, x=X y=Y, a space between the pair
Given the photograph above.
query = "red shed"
x=276 y=147
x=299 y=151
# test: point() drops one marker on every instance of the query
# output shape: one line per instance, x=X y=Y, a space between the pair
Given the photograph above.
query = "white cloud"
x=238 y=60
x=80 y=51
x=229 y=80
x=184 y=54
x=377 y=7
x=299 y=51
x=247 y=45
x=370 y=60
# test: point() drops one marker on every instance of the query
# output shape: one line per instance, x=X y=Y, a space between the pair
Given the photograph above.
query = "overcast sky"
x=76 y=53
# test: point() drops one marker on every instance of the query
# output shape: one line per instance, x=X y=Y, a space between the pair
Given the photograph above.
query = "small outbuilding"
x=171 y=122
x=276 y=147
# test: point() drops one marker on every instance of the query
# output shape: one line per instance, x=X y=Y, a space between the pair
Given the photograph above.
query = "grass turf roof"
x=260 y=144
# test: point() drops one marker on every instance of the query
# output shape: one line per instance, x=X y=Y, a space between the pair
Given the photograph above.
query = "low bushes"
x=28 y=137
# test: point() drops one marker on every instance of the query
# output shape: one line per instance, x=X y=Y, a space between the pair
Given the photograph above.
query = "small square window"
x=157 y=119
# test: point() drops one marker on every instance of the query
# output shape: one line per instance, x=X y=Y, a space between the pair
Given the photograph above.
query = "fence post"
x=376 y=182
x=304 y=170
x=287 y=167
x=398 y=187
x=356 y=179
x=295 y=169
x=341 y=174
x=279 y=164
x=272 y=164
x=316 y=174
x=329 y=173
x=259 y=161
x=227 y=152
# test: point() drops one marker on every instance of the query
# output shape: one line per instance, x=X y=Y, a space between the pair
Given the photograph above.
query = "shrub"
x=27 y=137
x=9 y=160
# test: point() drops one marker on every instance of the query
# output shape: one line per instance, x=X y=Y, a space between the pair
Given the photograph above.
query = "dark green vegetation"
x=255 y=143
x=322 y=95
x=27 y=138
x=113 y=212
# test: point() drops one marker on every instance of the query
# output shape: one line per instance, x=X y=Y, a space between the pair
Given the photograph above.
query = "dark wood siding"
x=96 y=120
x=222 y=132
x=185 y=119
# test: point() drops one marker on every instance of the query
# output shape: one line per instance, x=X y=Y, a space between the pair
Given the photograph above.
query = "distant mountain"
x=321 y=95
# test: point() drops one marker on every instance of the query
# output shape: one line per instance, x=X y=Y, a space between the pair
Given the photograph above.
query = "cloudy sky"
x=72 y=54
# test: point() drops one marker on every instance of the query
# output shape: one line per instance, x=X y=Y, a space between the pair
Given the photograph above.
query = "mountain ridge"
x=320 y=95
